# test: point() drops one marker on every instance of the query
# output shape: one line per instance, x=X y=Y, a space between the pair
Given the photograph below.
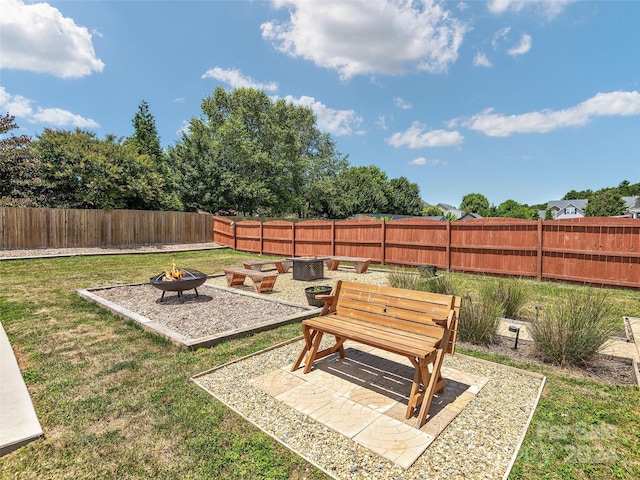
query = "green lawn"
x=117 y=402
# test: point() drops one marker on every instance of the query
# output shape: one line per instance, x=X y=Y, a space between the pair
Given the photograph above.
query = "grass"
x=117 y=402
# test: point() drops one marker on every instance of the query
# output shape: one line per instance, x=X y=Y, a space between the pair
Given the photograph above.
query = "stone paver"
x=364 y=397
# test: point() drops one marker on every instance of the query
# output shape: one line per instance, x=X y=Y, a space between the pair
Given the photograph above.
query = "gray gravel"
x=480 y=443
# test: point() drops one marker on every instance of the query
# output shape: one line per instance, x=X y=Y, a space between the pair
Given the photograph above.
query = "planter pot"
x=311 y=293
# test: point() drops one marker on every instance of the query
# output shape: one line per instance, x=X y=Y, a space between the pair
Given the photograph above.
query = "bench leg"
x=308 y=341
x=311 y=356
x=283 y=267
x=312 y=339
x=430 y=388
x=234 y=279
x=263 y=284
x=361 y=267
x=332 y=264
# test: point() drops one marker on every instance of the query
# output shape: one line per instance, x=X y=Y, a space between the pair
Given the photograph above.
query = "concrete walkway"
x=19 y=423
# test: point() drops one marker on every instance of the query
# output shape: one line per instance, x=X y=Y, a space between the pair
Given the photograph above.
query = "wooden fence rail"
x=33 y=228
x=603 y=251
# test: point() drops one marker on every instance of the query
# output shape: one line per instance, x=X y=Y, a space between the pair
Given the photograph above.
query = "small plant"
x=479 y=320
x=574 y=328
x=403 y=278
x=511 y=293
x=441 y=284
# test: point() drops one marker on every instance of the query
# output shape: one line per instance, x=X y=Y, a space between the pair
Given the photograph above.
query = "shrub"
x=574 y=328
x=511 y=293
x=403 y=278
x=422 y=281
x=436 y=284
x=479 y=319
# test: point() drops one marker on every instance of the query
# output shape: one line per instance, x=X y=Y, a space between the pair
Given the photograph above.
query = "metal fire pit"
x=191 y=279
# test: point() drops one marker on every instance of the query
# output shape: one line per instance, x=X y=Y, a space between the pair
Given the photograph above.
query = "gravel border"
x=482 y=442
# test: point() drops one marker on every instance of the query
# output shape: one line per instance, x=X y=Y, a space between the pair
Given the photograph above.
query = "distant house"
x=563 y=209
x=632 y=205
x=459 y=214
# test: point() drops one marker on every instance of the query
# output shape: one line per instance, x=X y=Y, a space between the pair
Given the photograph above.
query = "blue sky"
x=520 y=100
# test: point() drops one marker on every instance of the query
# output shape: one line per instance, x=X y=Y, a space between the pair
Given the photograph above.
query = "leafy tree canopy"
x=431 y=211
x=252 y=154
x=403 y=197
x=83 y=171
x=475 y=203
x=605 y=203
x=21 y=183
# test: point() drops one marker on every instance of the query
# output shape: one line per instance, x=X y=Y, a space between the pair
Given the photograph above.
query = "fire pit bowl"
x=188 y=279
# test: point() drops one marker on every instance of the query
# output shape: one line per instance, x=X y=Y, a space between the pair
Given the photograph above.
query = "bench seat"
x=417 y=325
x=282 y=266
x=360 y=264
x=262 y=281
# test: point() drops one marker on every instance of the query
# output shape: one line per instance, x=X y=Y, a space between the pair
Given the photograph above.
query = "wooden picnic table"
x=418 y=325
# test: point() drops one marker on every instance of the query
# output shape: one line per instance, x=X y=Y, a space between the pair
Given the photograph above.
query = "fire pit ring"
x=191 y=279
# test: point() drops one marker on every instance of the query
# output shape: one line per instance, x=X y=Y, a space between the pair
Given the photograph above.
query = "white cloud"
x=401 y=103
x=423 y=161
x=236 y=79
x=500 y=35
x=184 y=128
x=381 y=122
x=365 y=37
x=481 y=60
x=38 y=38
x=336 y=122
x=602 y=104
x=416 y=137
x=62 y=118
x=523 y=47
x=546 y=8
x=20 y=107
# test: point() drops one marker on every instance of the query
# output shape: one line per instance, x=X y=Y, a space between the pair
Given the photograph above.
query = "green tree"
x=431 y=211
x=548 y=214
x=403 y=197
x=362 y=190
x=83 y=171
x=145 y=136
x=147 y=142
x=512 y=209
x=475 y=203
x=605 y=203
x=581 y=195
x=254 y=155
x=21 y=184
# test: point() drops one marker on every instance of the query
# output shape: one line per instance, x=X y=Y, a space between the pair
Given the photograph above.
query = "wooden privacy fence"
x=32 y=228
x=598 y=250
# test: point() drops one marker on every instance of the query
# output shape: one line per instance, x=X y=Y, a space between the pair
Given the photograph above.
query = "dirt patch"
x=601 y=369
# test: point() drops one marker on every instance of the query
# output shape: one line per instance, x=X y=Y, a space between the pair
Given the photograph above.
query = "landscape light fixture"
x=516 y=330
x=538 y=308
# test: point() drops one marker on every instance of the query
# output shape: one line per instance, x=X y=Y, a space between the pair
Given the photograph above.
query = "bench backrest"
x=420 y=312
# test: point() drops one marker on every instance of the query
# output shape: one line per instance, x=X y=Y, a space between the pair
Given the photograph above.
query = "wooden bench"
x=418 y=325
x=262 y=281
x=360 y=264
x=282 y=266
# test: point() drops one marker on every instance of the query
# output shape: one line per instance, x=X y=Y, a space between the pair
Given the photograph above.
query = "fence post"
x=235 y=233
x=333 y=238
x=448 y=246
x=540 y=246
x=261 y=226
x=293 y=239
x=383 y=243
